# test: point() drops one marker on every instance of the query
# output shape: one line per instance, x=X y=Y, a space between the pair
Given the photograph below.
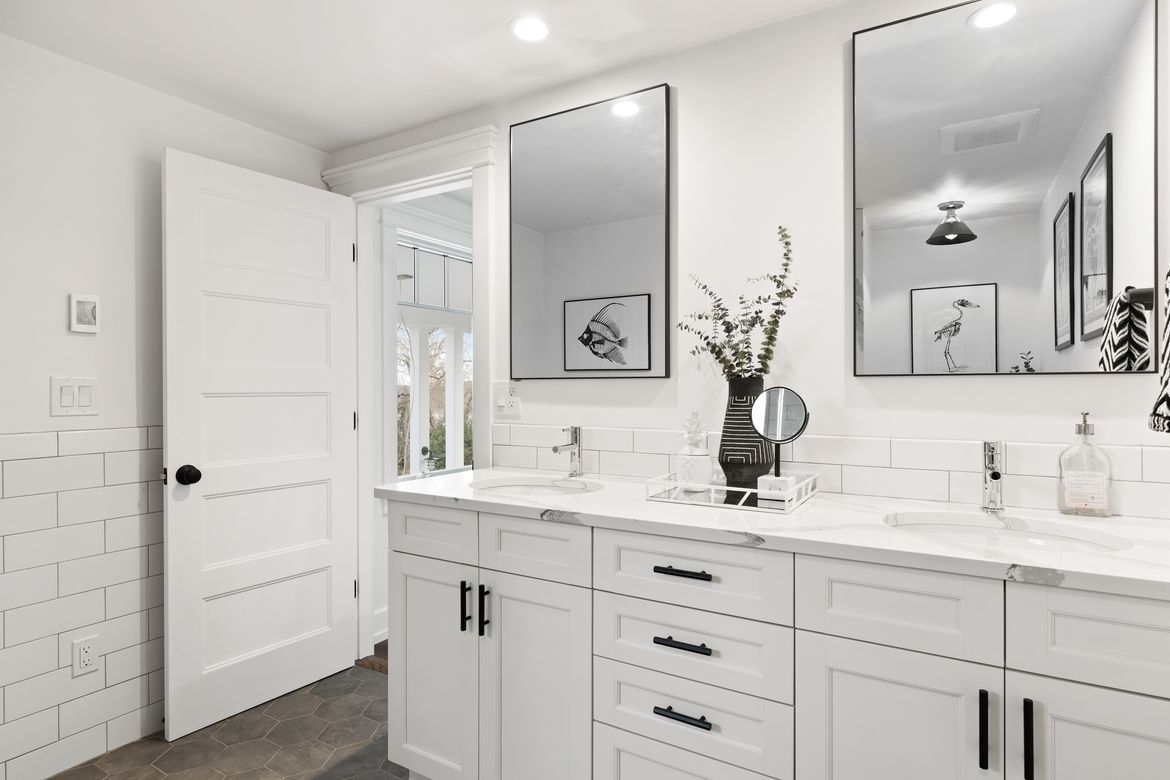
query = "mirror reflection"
x=779 y=415
x=589 y=240
x=1004 y=190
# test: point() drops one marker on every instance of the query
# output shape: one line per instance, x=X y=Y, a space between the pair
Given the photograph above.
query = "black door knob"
x=188 y=475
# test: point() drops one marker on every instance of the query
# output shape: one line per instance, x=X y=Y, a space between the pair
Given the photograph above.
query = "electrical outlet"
x=507 y=400
x=85 y=656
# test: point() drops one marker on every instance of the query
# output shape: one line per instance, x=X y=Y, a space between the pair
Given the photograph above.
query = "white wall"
x=760 y=130
x=1008 y=252
x=1123 y=107
x=80 y=511
x=80 y=211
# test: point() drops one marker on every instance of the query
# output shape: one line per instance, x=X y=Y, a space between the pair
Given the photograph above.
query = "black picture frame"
x=1067 y=289
x=615 y=367
x=1100 y=280
x=995 y=324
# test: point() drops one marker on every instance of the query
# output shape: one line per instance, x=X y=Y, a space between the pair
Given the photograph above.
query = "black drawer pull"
x=689 y=575
x=984 y=731
x=464 y=615
x=669 y=641
x=483 y=621
x=699 y=723
x=1029 y=742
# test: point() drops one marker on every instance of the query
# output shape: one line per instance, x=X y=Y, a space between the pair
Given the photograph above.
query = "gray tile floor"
x=335 y=728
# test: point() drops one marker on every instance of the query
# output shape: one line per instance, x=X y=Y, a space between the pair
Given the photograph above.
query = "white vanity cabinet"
x=489 y=670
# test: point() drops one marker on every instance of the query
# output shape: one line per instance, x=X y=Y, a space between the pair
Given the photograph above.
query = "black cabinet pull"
x=984 y=731
x=464 y=615
x=669 y=641
x=1029 y=742
x=689 y=575
x=483 y=621
x=699 y=723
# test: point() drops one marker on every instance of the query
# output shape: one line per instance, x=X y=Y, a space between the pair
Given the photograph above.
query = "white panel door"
x=535 y=701
x=259 y=394
x=434 y=674
x=867 y=712
x=1080 y=732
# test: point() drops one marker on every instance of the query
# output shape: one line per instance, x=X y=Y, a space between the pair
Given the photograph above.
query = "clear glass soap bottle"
x=1086 y=476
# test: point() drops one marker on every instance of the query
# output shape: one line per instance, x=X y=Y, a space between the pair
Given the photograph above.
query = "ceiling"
x=335 y=73
x=917 y=77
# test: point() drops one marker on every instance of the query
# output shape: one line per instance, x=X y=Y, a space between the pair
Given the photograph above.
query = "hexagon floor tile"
x=332 y=729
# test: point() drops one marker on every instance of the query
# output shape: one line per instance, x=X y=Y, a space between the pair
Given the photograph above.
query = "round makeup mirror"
x=779 y=415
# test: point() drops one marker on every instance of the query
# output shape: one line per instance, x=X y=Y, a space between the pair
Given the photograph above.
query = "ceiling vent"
x=992 y=131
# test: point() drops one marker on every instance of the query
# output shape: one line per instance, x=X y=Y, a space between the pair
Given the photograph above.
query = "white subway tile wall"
x=80 y=556
x=933 y=469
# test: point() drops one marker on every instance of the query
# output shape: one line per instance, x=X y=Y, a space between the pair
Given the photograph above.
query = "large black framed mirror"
x=590 y=226
x=1005 y=190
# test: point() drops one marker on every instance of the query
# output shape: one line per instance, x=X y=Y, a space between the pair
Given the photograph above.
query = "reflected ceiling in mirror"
x=589 y=226
x=1004 y=190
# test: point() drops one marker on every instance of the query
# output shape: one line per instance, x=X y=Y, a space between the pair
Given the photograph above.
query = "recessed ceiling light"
x=625 y=108
x=529 y=28
x=993 y=15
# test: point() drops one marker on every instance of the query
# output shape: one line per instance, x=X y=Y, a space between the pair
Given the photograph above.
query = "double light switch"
x=71 y=396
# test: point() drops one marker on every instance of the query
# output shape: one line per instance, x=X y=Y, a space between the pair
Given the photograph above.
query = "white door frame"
x=429 y=168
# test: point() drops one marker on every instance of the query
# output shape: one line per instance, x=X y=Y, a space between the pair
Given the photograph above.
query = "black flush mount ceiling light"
x=952 y=230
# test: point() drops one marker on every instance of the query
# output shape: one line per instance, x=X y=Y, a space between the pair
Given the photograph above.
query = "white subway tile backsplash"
x=24 y=624
x=1126 y=462
x=24 y=734
x=154 y=438
x=966 y=487
x=900 y=483
x=633 y=464
x=936 y=454
x=112 y=635
x=84 y=506
x=1143 y=499
x=134 y=596
x=501 y=434
x=37 y=548
x=157 y=685
x=135 y=466
x=134 y=662
x=17 y=446
x=51 y=475
x=118 y=699
x=1156 y=464
x=154 y=500
x=98 y=571
x=28 y=513
x=612 y=439
x=28 y=586
x=49 y=690
x=135 y=531
x=538 y=435
x=134 y=725
x=20 y=662
x=845 y=450
x=1043 y=460
x=509 y=456
x=660 y=442
x=1029 y=492
x=154 y=560
x=107 y=440
x=59 y=756
x=829 y=474
x=155 y=623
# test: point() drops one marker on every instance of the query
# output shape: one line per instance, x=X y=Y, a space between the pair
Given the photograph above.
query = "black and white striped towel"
x=1160 y=419
x=1126 y=345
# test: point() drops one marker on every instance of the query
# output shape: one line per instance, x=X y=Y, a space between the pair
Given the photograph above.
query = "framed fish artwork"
x=608 y=334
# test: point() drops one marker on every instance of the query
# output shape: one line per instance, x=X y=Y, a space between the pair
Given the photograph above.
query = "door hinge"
x=355 y=589
x=354 y=252
x=164 y=476
x=355 y=421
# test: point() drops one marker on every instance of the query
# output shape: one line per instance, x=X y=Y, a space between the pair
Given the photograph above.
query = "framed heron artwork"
x=607 y=334
x=955 y=329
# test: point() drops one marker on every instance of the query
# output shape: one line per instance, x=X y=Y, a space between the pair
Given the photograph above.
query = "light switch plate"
x=73 y=396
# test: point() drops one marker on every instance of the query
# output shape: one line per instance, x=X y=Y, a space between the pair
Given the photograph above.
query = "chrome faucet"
x=574 y=448
x=993 y=452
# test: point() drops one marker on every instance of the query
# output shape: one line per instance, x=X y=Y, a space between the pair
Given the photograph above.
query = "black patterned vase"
x=744 y=455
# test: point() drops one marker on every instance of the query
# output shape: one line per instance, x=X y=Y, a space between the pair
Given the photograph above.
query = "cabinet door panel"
x=434 y=675
x=1085 y=733
x=535 y=698
x=433 y=531
x=867 y=712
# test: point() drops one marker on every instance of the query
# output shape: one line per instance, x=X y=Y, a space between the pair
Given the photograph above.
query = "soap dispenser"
x=1086 y=478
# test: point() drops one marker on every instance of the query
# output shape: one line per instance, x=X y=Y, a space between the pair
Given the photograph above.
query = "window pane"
x=437 y=348
x=405 y=381
x=430 y=278
x=406 y=273
x=458 y=284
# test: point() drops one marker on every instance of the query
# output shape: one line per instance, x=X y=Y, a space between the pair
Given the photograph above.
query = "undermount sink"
x=986 y=530
x=536 y=486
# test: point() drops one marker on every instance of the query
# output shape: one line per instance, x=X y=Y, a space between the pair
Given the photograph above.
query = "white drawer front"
x=436 y=532
x=620 y=755
x=1115 y=641
x=746 y=731
x=720 y=578
x=743 y=655
x=536 y=548
x=944 y=614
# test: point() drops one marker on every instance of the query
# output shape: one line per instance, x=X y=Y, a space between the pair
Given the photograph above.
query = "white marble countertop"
x=833 y=525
